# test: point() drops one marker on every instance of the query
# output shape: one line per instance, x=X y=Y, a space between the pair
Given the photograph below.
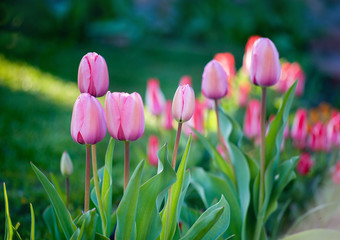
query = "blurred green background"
x=42 y=42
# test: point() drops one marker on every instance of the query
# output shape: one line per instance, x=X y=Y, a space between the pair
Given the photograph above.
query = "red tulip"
x=247 y=54
x=252 y=121
x=155 y=99
x=299 y=129
x=296 y=73
x=183 y=103
x=124 y=115
x=317 y=140
x=197 y=120
x=167 y=116
x=228 y=63
x=282 y=84
x=153 y=147
x=88 y=121
x=305 y=164
x=333 y=130
x=93 y=76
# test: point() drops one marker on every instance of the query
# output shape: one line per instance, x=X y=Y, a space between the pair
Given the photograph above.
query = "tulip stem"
x=220 y=137
x=87 y=178
x=178 y=136
x=96 y=186
x=67 y=185
x=126 y=164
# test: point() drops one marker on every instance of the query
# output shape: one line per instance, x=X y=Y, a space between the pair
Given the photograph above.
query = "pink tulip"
x=197 y=120
x=88 y=121
x=155 y=99
x=208 y=103
x=333 y=130
x=227 y=61
x=153 y=147
x=247 y=54
x=124 y=115
x=93 y=76
x=214 y=81
x=299 y=129
x=317 y=140
x=336 y=173
x=305 y=164
x=252 y=121
x=244 y=90
x=186 y=79
x=282 y=84
x=296 y=73
x=167 y=116
x=265 y=68
x=183 y=103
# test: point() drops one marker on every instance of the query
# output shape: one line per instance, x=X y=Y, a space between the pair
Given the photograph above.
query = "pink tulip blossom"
x=305 y=164
x=317 y=139
x=252 y=119
x=243 y=95
x=183 y=103
x=197 y=120
x=299 y=129
x=186 y=79
x=88 y=121
x=247 y=54
x=333 y=130
x=155 y=99
x=167 y=116
x=93 y=76
x=153 y=147
x=227 y=61
x=124 y=115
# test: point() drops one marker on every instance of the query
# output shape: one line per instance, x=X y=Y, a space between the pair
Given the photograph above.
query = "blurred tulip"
x=197 y=120
x=66 y=166
x=93 y=76
x=317 y=139
x=336 y=173
x=124 y=115
x=183 y=103
x=167 y=116
x=333 y=130
x=282 y=84
x=208 y=103
x=186 y=79
x=252 y=121
x=296 y=73
x=155 y=99
x=244 y=90
x=265 y=68
x=299 y=129
x=247 y=54
x=153 y=147
x=227 y=61
x=305 y=164
x=88 y=122
x=214 y=83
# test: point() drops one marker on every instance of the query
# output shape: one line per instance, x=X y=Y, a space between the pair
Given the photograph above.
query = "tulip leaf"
x=148 y=220
x=32 y=237
x=127 y=208
x=100 y=237
x=215 y=186
x=89 y=220
x=59 y=207
x=8 y=226
x=172 y=206
x=315 y=234
x=212 y=223
x=52 y=223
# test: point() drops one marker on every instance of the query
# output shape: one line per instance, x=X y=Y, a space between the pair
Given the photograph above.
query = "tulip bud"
x=305 y=164
x=66 y=166
x=93 y=76
x=299 y=129
x=336 y=173
x=186 y=79
x=265 y=68
x=197 y=120
x=214 y=81
x=124 y=115
x=167 y=116
x=153 y=147
x=183 y=103
x=88 y=122
x=252 y=119
x=155 y=99
x=247 y=54
x=317 y=140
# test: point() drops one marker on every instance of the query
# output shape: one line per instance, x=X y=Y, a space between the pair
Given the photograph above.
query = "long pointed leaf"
x=32 y=223
x=8 y=229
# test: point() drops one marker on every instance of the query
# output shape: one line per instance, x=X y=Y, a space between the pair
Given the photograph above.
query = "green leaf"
x=89 y=220
x=32 y=223
x=214 y=187
x=8 y=228
x=57 y=187
x=101 y=237
x=315 y=234
x=148 y=221
x=127 y=208
x=59 y=207
x=52 y=223
x=211 y=224
x=172 y=206
x=230 y=129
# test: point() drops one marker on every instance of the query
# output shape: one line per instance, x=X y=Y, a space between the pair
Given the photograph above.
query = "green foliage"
x=315 y=234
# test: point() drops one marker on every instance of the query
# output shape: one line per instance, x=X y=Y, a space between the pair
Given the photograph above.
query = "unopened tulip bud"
x=299 y=129
x=93 y=76
x=305 y=164
x=124 y=115
x=252 y=119
x=183 y=103
x=214 y=81
x=88 y=121
x=66 y=166
x=153 y=147
x=155 y=99
x=265 y=68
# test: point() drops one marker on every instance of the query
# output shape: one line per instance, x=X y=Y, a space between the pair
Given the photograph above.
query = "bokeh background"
x=42 y=42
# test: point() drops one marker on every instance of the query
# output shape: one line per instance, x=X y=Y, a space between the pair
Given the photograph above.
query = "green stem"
x=96 y=186
x=67 y=184
x=126 y=164
x=87 y=178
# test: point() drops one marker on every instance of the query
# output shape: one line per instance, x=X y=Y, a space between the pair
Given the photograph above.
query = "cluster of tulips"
x=249 y=185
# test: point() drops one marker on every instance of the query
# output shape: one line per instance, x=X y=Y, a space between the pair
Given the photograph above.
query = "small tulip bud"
x=155 y=99
x=183 y=103
x=299 y=129
x=153 y=147
x=88 y=121
x=252 y=119
x=214 y=81
x=265 y=68
x=305 y=164
x=124 y=115
x=93 y=76
x=66 y=166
